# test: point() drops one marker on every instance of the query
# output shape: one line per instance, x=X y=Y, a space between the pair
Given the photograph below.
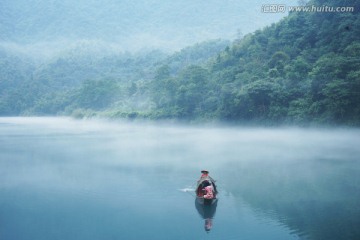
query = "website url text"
x=282 y=8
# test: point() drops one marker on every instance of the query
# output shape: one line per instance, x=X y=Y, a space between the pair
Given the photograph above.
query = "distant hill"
x=43 y=25
x=48 y=87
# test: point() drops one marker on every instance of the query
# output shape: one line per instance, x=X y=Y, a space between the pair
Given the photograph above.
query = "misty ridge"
x=183 y=60
x=125 y=25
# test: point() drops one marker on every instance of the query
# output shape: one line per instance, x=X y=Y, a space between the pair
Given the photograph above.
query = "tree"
x=97 y=94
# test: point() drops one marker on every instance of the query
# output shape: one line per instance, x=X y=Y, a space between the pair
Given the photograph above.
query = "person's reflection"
x=207 y=212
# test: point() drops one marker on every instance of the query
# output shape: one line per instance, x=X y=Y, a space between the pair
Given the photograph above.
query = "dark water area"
x=68 y=179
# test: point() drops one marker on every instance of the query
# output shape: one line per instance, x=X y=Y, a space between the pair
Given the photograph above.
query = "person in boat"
x=207 y=185
x=204 y=175
x=209 y=192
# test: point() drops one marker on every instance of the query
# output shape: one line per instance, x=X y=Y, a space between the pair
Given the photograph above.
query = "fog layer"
x=277 y=182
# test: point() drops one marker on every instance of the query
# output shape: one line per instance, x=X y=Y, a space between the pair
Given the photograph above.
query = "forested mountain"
x=85 y=77
x=304 y=69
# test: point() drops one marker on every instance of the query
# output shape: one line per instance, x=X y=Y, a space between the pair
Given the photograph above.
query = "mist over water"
x=72 y=179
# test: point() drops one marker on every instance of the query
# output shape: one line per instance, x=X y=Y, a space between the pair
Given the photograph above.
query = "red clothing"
x=209 y=192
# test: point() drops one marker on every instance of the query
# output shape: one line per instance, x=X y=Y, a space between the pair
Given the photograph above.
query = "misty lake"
x=87 y=179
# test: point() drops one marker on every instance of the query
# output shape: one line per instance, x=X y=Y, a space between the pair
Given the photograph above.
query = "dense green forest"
x=303 y=70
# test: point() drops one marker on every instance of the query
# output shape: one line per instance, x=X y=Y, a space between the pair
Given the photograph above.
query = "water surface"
x=67 y=179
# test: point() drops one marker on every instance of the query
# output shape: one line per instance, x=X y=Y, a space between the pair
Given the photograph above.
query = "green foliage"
x=97 y=95
x=301 y=70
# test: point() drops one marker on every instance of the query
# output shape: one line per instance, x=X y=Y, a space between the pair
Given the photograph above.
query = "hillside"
x=303 y=69
x=60 y=84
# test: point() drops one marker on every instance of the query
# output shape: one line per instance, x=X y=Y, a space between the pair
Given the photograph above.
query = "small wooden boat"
x=204 y=185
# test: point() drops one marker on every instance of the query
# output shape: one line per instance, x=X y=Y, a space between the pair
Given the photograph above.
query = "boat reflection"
x=207 y=212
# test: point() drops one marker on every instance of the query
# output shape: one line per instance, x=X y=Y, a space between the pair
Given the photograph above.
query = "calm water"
x=84 y=180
